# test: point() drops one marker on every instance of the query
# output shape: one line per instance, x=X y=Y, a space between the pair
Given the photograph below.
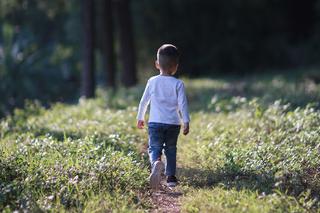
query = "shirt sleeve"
x=182 y=103
x=144 y=102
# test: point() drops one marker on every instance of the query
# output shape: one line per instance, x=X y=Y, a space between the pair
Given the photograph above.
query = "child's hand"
x=186 y=128
x=140 y=124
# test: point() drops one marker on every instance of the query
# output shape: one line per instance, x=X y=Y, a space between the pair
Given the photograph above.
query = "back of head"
x=167 y=56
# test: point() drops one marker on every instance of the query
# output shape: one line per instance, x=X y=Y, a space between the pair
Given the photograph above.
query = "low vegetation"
x=253 y=147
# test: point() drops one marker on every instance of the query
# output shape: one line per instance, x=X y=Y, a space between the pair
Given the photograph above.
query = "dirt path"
x=166 y=199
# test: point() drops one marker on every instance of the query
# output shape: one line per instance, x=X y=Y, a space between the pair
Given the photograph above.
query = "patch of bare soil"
x=166 y=199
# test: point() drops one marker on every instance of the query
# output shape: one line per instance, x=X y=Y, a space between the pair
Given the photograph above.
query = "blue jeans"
x=163 y=136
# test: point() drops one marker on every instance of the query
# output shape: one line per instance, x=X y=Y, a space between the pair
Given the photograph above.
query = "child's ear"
x=156 y=63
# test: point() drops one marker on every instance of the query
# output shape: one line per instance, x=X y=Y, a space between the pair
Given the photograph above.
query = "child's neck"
x=165 y=73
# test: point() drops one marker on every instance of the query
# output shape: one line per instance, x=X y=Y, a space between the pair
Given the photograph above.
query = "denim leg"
x=171 y=137
x=156 y=138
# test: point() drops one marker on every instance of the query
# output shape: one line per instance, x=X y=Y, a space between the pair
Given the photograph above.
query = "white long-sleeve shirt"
x=168 y=101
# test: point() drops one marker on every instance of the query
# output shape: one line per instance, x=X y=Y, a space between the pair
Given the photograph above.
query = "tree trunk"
x=108 y=43
x=127 y=54
x=88 y=77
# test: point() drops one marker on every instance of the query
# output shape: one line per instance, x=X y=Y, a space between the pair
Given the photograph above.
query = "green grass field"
x=254 y=146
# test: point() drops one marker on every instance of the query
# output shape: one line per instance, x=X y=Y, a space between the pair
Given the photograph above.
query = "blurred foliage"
x=232 y=36
x=38 y=52
x=40 y=42
x=298 y=88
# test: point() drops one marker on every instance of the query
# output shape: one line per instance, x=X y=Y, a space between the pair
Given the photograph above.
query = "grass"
x=253 y=147
x=68 y=157
x=251 y=153
x=219 y=199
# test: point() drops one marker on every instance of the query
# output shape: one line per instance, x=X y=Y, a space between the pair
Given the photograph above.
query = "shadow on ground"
x=260 y=183
x=199 y=178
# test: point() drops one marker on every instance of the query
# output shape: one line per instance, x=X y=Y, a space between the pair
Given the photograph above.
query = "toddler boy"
x=168 y=105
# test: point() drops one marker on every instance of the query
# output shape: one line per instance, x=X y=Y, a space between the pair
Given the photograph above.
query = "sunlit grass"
x=219 y=200
x=251 y=151
x=63 y=158
x=247 y=151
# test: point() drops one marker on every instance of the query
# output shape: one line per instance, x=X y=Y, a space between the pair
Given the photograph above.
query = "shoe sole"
x=155 y=176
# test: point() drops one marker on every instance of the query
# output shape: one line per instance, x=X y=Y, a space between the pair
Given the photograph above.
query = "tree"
x=127 y=54
x=88 y=77
x=108 y=42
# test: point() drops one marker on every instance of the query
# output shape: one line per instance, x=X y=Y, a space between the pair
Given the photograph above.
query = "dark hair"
x=167 y=56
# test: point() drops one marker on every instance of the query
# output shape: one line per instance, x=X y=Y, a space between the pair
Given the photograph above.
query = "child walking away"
x=168 y=106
